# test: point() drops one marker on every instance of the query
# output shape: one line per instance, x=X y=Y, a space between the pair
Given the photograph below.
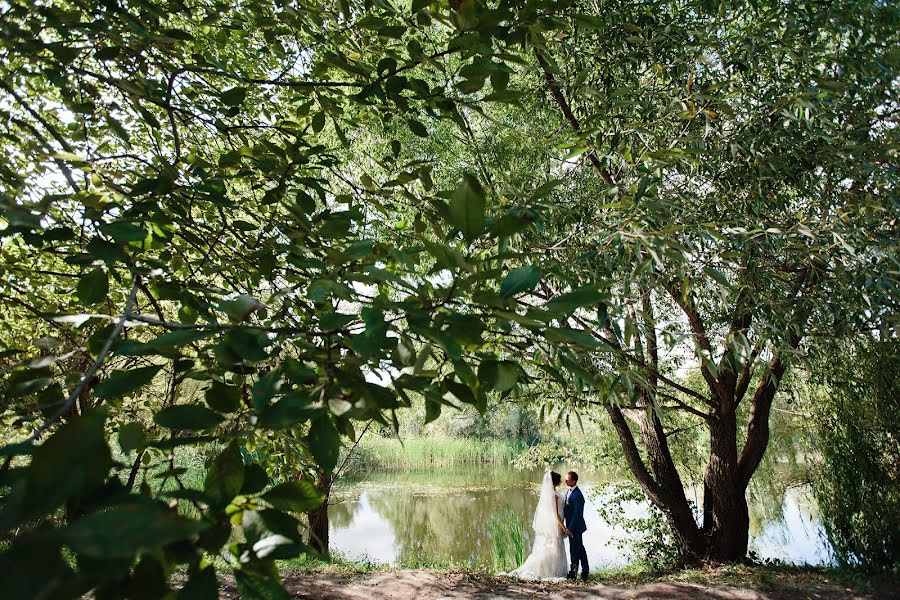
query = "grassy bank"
x=379 y=453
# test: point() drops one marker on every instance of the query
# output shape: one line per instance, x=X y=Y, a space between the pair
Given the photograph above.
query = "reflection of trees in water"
x=449 y=522
x=768 y=491
x=342 y=511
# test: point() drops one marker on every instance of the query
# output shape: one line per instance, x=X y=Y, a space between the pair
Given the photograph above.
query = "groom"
x=575 y=526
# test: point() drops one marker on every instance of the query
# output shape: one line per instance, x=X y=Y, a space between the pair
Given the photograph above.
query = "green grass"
x=378 y=453
x=780 y=579
x=508 y=535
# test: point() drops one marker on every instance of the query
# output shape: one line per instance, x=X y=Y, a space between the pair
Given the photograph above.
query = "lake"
x=443 y=516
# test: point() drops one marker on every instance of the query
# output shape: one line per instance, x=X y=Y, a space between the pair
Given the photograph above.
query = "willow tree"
x=734 y=195
x=710 y=188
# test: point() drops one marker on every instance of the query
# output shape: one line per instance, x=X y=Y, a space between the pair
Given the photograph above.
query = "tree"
x=741 y=201
x=857 y=425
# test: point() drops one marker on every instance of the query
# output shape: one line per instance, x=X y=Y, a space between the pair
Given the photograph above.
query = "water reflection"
x=443 y=517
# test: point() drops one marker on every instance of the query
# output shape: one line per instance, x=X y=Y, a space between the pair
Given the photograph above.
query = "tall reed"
x=508 y=535
x=387 y=454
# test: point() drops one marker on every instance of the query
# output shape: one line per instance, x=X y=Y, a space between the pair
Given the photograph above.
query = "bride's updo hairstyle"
x=555 y=477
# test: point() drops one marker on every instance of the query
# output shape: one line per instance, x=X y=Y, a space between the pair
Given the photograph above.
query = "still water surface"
x=442 y=517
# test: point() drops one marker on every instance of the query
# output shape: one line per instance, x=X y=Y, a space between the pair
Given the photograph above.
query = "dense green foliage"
x=259 y=231
x=182 y=215
x=857 y=418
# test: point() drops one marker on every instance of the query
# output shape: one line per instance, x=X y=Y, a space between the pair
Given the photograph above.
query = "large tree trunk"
x=318 y=519
x=726 y=521
x=727 y=526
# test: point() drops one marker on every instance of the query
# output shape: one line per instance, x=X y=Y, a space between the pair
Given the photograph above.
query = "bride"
x=548 y=554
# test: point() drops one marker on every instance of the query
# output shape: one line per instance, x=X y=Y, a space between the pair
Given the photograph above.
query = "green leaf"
x=324 y=443
x=122 y=231
x=574 y=336
x=124 y=530
x=718 y=275
x=461 y=392
x=295 y=496
x=247 y=345
x=467 y=208
x=266 y=388
x=106 y=251
x=120 y=383
x=187 y=416
x=201 y=585
x=233 y=96
x=255 y=479
x=571 y=301
x=272 y=534
x=318 y=122
x=93 y=286
x=290 y=410
x=177 y=339
x=27 y=382
x=107 y=53
x=68 y=157
x=259 y=580
x=70 y=464
x=432 y=409
x=132 y=437
x=330 y=321
x=521 y=279
x=545 y=189
x=374 y=337
x=498 y=375
x=298 y=372
x=225 y=475
x=240 y=309
x=417 y=128
x=223 y=398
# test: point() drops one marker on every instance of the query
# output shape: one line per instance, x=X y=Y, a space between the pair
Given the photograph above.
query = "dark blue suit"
x=574 y=518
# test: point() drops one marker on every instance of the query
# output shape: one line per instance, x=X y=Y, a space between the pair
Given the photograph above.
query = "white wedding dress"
x=548 y=554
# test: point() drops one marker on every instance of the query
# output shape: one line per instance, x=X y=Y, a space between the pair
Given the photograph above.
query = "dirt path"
x=427 y=585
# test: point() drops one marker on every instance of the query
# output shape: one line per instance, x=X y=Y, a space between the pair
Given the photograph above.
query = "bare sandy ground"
x=427 y=585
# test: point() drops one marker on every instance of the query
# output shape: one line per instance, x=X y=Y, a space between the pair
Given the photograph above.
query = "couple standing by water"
x=559 y=515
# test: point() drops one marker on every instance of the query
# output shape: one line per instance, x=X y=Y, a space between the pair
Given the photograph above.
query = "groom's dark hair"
x=555 y=478
x=574 y=476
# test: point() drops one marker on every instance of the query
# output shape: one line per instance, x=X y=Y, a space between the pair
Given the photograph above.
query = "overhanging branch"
x=566 y=109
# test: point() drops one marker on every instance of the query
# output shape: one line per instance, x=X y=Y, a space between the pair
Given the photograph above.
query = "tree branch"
x=89 y=375
x=701 y=339
x=686 y=407
x=633 y=456
x=560 y=99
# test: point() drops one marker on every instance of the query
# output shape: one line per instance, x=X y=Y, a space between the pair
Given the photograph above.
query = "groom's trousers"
x=578 y=554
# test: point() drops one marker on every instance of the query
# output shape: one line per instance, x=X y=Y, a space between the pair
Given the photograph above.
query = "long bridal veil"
x=544 y=522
